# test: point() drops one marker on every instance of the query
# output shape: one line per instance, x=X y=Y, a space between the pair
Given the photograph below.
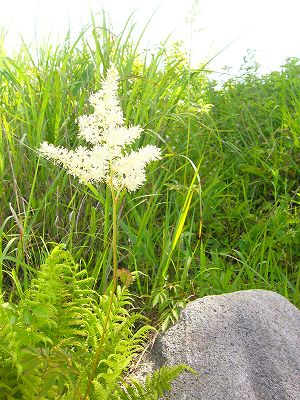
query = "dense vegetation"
x=219 y=213
x=54 y=345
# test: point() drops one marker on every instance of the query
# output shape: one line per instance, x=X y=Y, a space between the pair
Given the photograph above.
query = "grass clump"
x=221 y=211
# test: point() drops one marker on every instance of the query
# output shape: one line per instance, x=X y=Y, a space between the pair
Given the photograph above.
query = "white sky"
x=271 y=27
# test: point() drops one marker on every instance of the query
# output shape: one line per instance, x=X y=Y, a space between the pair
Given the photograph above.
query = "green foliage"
x=49 y=338
x=154 y=387
x=219 y=213
x=169 y=301
x=251 y=232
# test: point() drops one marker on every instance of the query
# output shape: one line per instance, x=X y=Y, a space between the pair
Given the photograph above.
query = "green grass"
x=219 y=213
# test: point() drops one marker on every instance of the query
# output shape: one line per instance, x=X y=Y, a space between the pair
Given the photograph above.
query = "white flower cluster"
x=106 y=160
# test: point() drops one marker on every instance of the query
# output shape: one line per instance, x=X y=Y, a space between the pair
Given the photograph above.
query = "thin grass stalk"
x=166 y=260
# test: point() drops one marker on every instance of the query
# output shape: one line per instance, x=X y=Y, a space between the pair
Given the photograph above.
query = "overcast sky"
x=271 y=27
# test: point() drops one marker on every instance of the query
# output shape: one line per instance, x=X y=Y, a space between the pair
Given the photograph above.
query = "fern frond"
x=155 y=386
x=49 y=339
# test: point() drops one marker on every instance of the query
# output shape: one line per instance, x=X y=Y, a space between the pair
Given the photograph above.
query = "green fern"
x=153 y=388
x=48 y=340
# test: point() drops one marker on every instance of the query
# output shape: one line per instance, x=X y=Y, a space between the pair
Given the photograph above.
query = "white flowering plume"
x=106 y=158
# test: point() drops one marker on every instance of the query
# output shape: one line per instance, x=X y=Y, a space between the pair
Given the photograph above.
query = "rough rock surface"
x=244 y=345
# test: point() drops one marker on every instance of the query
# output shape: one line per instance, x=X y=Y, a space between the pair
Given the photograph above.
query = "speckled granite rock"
x=244 y=345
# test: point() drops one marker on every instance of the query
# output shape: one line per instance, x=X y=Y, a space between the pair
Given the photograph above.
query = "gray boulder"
x=244 y=345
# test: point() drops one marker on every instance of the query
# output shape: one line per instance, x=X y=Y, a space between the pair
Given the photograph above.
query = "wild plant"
x=49 y=340
x=105 y=159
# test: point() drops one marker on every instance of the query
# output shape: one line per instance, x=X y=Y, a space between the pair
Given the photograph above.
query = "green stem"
x=112 y=293
x=114 y=240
